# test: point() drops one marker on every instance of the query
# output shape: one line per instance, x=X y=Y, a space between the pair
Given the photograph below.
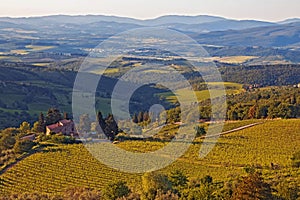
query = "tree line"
x=178 y=186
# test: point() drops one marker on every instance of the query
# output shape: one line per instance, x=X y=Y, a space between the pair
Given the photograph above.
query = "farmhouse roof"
x=61 y=123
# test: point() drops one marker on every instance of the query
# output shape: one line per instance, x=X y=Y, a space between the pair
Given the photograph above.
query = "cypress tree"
x=41 y=128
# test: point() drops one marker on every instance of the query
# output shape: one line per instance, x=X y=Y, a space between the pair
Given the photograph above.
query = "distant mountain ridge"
x=200 y=23
x=283 y=35
x=288 y=21
x=85 y=19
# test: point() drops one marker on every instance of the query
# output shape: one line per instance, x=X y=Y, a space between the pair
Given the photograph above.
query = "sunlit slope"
x=59 y=167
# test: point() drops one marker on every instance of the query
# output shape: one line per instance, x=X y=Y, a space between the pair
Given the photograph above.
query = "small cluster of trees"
x=200 y=131
x=11 y=138
x=279 y=102
x=141 y=117
x=260 y=111
x=104 y=125
x=12 y=144
x=177 y=185
x=174 y=115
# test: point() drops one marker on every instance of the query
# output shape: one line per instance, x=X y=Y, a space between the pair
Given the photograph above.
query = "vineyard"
x=58 y=167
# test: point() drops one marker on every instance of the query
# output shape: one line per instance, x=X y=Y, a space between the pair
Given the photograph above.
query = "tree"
x=286 y=111
x=140 y=117
x=116 y=190
x=252 y=187
x=41 y=126
x=111 y=128
x=200 y=131
x=35 y=127
x=53 y=116
x=205 y=112
x=174 y=115
x=22 y=146
x=293 y=99
x=238 y=112
x=262 y=111
x=134 y=118
x=24 y=127
x=162 y=118
x=146 y=117
x=131 y=196
x=178 y=179
x=153 y=182
x=202 y=192
x=166 y=196
x=233 y=115
x=101 y=123
x=206 y=180
x=201 y=189
x=273 y=111
x=79 y=193
x=177 y=117
x=84 y=123
x=7 y=140
x=66 y=115
x=252 y=112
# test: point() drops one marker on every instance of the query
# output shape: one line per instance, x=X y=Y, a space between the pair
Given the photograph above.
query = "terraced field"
x=62 y=166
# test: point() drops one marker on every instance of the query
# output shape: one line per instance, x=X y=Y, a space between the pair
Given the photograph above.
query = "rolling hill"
x=61 y=166
x=74 y=35
x=268 y=36
x=198 y=24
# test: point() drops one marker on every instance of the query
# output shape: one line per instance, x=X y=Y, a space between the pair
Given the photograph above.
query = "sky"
x=267 y=10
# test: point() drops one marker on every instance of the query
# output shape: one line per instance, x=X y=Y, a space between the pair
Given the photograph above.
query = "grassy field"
x=233 y=59
x=41 y=64
x=10 y=58
x=187 y=96
x=19 y=51
x=58 y=167
x=3 y=57
x=38 y=48
x=30 y=48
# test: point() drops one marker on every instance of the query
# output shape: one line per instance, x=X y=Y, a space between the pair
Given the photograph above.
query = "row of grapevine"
x=63 y=166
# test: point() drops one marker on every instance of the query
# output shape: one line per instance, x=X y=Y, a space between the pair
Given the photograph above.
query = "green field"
x=62 y=166
x=187 y=96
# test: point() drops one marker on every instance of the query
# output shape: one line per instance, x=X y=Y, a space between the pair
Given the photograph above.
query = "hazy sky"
x=271 y=10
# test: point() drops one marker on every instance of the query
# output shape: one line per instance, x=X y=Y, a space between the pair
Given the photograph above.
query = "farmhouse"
x=66 y=127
